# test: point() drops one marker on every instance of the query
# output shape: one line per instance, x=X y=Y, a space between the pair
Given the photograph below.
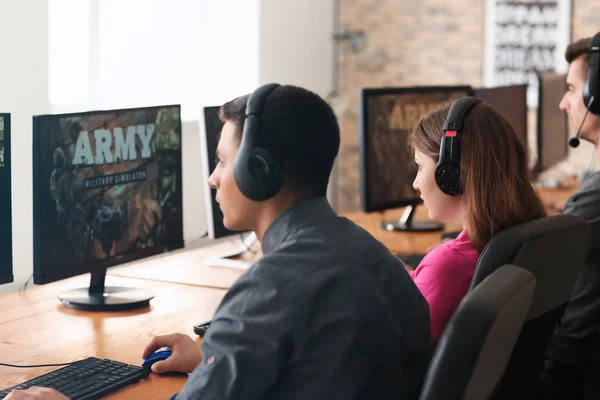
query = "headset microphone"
x=574 y=141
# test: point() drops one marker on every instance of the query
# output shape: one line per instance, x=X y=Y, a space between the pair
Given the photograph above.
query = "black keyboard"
x=411 y=259
x=87 y=379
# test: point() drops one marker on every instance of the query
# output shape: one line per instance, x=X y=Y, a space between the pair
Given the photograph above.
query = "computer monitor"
x=387 y=168
x=212 y=132
x=6 y=255
x=107 y=189
x=552 y=122
x=214 y=219
x=511 y=101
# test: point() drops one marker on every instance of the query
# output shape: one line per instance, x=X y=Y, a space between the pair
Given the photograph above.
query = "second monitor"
x=552 y=122
x=212 y=131
x=387 y=116
x=216 y=229
x=511 y=101
x=6 y=254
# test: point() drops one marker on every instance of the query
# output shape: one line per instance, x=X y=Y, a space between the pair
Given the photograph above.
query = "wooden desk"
x=187 y=267
x=36 y=329
x=559 y=195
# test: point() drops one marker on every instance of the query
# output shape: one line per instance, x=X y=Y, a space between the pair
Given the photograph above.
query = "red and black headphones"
x=447 y=170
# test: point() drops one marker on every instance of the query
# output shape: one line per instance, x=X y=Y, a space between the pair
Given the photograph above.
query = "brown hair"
x=493 y=170
x=580 y=48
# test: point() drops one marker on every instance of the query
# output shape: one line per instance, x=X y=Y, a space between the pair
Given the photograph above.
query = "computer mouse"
x=156 y=356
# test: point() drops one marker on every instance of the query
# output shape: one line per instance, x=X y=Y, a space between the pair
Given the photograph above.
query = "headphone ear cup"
x=258 y=167
x=592 y=83
x=257 y=174
x=447 y=178
x=447 y=170
x=589 y=92
x=586 y=91
x=262 y=165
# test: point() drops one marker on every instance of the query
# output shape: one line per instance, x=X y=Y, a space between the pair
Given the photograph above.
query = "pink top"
x=444 y=276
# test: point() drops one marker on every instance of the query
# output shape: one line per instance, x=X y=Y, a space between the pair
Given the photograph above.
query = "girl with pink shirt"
x=473 y=169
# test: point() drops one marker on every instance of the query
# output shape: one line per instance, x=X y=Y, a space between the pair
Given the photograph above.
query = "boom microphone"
x=574 y=141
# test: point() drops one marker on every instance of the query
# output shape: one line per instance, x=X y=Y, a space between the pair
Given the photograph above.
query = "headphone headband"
x=457 y=111
x=256 y=100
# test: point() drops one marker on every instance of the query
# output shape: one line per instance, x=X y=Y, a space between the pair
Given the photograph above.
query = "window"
x=112 y=53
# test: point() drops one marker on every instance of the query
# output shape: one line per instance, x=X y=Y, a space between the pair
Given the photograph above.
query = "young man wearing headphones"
x=328 y=312
x=573 y=356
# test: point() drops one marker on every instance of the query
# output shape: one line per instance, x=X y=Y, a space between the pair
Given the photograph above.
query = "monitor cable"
x=37 y=365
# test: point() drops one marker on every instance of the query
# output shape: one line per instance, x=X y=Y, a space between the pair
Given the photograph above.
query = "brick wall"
x=425 y=42
x=586 y=18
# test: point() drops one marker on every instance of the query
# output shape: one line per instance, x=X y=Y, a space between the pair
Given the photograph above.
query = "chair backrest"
x=554 y=250
x=475 y=347
x=594 y=235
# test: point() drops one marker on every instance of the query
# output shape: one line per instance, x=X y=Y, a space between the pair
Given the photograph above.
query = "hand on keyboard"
x=186 y=353
x=87 y=379
x=36 y=393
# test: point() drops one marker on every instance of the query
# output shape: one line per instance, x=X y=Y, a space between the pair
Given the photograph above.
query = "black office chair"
x=477 y=342
x=554 y=250
x=592 y=381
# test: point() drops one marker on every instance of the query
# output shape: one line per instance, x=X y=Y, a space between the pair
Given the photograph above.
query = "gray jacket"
x=328 y=313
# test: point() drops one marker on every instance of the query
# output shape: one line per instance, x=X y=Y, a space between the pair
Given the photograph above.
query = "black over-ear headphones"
x=447 y=170
x=256 y=172
x=591 y=89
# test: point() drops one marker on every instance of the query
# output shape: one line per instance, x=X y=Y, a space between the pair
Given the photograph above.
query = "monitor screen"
x=552 y=124
x=107 y=189
x=212 y=132
x=6 y=268
x=511 y=101
x=387 y=117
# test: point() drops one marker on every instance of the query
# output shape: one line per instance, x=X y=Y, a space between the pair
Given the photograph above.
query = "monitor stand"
x=406 y=223
x=224 y=260
x=105 y=298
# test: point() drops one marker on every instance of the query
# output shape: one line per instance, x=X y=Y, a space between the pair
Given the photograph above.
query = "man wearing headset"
x=573 y=358
x=328 y=312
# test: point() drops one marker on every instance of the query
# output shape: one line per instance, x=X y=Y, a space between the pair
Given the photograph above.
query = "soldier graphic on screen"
x=167 y=124
x=160 y=211
x=61 y=188
x=108 y=226
x=70 y=215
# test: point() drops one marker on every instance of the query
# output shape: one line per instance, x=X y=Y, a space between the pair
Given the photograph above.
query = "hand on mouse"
x=186 y=353
x=35 y=393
